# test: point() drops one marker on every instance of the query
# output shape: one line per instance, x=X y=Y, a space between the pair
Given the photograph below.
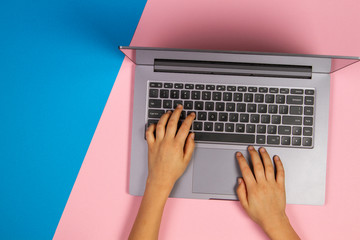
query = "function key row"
x=232 y=88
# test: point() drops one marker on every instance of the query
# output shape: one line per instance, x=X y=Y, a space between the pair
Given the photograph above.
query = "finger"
x=242 y=194
x=173 y=122
x=185 y=128
x=245 y=170
x=150 y=138
x=257 y=164
x=189 y=147
x=160 y=126
x=280 y=172
x=269 y=168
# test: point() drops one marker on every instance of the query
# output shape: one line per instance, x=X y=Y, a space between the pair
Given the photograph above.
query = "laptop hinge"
x=233 y=68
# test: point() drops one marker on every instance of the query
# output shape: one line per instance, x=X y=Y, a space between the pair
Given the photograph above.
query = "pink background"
x=100 y=207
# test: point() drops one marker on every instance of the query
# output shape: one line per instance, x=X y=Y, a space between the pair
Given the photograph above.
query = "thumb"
x=242 y=193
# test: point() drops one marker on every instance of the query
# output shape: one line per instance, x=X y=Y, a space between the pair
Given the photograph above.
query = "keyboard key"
x=152 y=121
x=309 y=92
x=308 y=121
x=199 y=105
x=177 y=102
x=284 y=130
x=272 y=108
x=309 y=100
x=201 y=115
x=155 y=113
x=290 y=99
x=206 y=95
x=198 y=126
x=168 y=85
x=296 y=141
x=250 y=128
x=308 y=110
x=283 y=109
x=252 y=89
x=179 y=85
x=275 y=140
x=185 y=94
x=174 y=94
x=269 y=98
x=210 y=87
x=263 y=89
x=164 y=93
x=273 y=90
x=167 y=104
x=223 y=117
x=241 y=89
x=219 y=127
x=216 y=96
x=262 y=108
x=259 y=98
x=280 y=99
x=251 y=107
x=188 y=105
x=285 y=140
x=296 y=110
x=297 y=91
x=153 y=93
x=260 y=139
x=238 y=97
x=229 y=127
x=155 y=85
x=240 y=127
x=241 y=107
x=244 y=117
x=292 y=120
x=189 y=86
x=220 y=106
x=195 y=95
x=200 y=86
x=233 y=117
x=231 y=88
x=227 y=96
x=307 y=141
x=261 y=129
x=248 y=97
x=225 y=137
x=230 y=107
x=284 y=90
x=254 y=118
x=271 y=129
x=209 y=106
x=154 y=103
x=296 y=130
x=265 y=118
x=212 y=116
x=208 y=126
x=220 y=88
x=276 y=119
x=307 y=131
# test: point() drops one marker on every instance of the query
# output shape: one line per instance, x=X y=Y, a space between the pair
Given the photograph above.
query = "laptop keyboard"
x=239 y=114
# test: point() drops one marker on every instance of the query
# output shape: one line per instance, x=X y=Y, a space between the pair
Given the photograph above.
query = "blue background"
x=59 y=60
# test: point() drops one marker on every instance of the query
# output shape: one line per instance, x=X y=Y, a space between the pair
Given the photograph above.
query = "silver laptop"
x=279 y=101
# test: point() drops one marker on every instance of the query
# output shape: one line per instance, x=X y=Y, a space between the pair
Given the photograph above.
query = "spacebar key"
x=224 y=137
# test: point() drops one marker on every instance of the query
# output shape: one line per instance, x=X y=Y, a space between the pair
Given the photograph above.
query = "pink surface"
x=100 y=207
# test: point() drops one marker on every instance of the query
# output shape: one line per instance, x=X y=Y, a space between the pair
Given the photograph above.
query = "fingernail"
x=276 y=158
x=238 y=154
x=239 y=181
x=262 y=150
x=169 y=111
x=179 y=106
x=251 y=148
x=192 y=135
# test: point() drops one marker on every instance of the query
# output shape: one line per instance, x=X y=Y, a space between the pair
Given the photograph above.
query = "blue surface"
x=59 y=60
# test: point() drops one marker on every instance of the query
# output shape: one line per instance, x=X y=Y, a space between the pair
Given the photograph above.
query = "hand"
x=262 y=194
x=170 y=152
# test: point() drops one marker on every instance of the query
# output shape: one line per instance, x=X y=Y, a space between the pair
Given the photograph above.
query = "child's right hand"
x=262 y=194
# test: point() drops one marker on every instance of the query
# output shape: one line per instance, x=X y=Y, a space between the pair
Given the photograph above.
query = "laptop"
x=279 y=101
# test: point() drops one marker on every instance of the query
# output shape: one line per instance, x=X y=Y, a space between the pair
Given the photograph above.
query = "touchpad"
x=216 y=170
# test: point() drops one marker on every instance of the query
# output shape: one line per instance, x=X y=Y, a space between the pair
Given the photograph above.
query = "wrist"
x=160 y=186
x=275 y=225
